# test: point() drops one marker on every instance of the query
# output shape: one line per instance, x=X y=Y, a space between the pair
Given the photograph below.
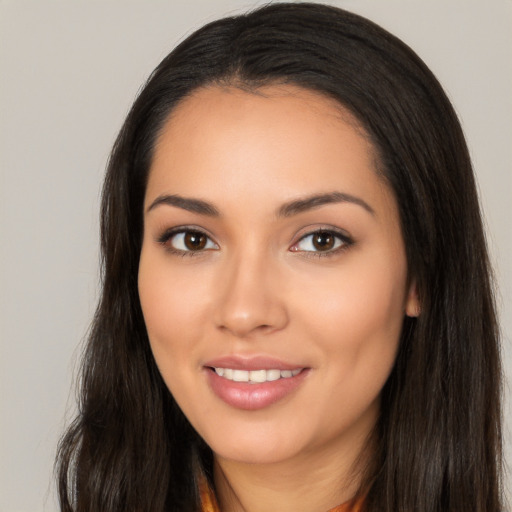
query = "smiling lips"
x=255 y=383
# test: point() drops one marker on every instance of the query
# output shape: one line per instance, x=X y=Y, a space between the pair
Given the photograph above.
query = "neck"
x=317 y=481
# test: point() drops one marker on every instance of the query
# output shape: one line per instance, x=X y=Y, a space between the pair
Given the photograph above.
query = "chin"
x=270 y=445
x=254 y=455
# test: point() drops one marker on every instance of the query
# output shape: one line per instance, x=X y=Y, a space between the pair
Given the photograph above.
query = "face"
x=272 y=278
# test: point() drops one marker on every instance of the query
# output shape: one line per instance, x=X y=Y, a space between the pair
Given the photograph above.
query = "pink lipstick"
x=253 y=383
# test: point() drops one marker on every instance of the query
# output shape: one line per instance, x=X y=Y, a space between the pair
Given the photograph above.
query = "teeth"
x=240 y=376
x=273 y=375
x=256 y=375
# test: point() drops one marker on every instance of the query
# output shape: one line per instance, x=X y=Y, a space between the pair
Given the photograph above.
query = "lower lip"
x=251 y=397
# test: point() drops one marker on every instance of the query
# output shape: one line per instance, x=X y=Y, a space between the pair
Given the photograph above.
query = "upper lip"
x=256 y=362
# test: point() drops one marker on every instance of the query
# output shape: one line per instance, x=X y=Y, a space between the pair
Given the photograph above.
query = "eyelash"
x=169 y=234
x=344 y=241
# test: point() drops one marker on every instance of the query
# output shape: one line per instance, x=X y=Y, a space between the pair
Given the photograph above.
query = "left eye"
x=320 y=241
x=188 y=241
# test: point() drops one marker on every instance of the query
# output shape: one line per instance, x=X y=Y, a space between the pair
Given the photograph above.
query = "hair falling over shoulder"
x=438 y=438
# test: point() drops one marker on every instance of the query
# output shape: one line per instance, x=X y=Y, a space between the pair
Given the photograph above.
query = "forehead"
x=251 y=151
x=283 y=121
x=238 y=102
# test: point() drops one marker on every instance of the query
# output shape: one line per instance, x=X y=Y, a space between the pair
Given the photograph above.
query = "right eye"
x=188 y=240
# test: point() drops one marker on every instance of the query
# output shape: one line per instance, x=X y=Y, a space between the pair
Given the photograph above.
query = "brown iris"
x=195 y=241
x=323 y=241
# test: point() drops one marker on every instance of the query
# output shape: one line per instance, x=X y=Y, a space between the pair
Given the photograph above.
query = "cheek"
x=356 y=317
x=352 y=300
x=356 y=324
x=175 y=306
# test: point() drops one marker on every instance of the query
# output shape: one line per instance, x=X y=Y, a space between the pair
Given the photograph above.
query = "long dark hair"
x=438 y=438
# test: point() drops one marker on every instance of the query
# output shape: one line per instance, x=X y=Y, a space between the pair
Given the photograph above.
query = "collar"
x=209 y=502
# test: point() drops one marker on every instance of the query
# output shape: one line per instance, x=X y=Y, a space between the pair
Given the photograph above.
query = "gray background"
x=69 y=71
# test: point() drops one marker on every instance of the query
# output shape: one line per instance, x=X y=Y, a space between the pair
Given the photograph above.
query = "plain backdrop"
x=69 y=71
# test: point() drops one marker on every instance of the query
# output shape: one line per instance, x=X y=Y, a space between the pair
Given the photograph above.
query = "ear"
x=412 y=303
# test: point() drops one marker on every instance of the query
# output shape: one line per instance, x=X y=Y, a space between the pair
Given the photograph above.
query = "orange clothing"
x=209 y=503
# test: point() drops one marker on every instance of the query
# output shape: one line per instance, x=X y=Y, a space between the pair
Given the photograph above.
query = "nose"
x=250 y=299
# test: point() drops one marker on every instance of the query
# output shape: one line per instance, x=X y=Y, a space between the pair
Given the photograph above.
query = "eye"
x=322 y=241
x=187 y=240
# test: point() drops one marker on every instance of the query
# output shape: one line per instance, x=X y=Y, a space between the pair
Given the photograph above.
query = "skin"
x=259 y=287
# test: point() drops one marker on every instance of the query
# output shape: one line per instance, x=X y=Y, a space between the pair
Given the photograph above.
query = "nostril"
x=242 y=312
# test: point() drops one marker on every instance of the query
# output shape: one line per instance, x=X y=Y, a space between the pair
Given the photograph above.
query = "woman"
x=296 y=311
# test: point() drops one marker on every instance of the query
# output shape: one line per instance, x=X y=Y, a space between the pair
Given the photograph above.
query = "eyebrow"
x=317 y=200
x=286 y=210
x=186 y=203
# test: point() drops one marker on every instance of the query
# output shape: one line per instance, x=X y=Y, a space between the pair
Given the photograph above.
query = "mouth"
x=254 y=383
x=255 y=376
